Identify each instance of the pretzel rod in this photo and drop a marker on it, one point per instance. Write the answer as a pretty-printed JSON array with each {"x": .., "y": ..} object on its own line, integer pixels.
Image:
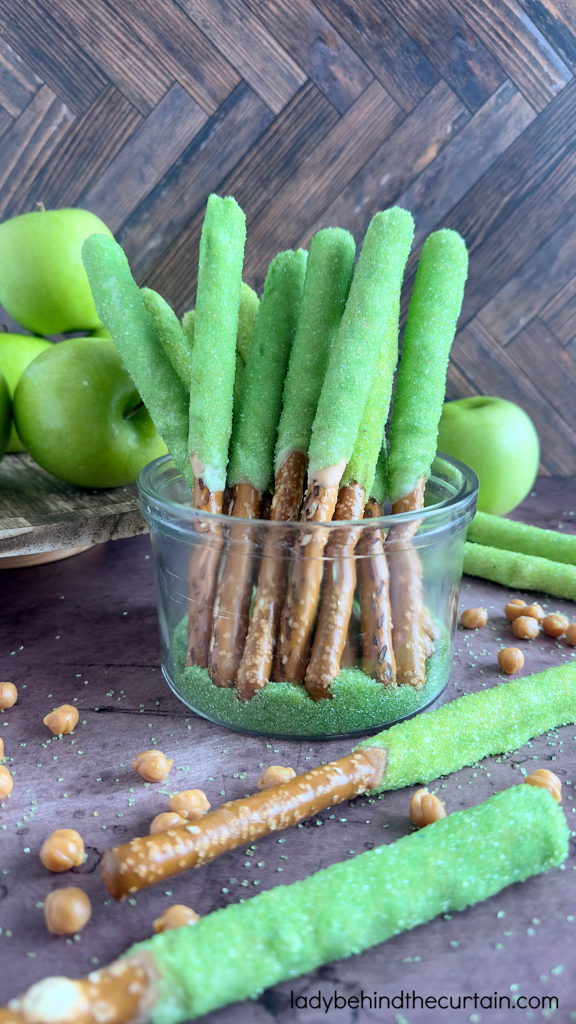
[
  {"x": 144, "y": 861},
  {"x": 250, "y": 467},
  {"x": 339, "y": 586},
  {"x": 418, "y": 750},
  {"x": 523, "y": 572},
  {"x": 121, "y": 309},
  {"x": 378, "y": 660},
  {"x": 508, "y": 534},
  {"x": 255, "y": 666},
  {"x": 202, "y": 576},
  {"x": 406, "y": 605},
  {"x": 232, "y": 600},
  {"x": 171, "y": 335},
  {"x": 345, "y": 908},
  {"x": 303, "y": 592}
]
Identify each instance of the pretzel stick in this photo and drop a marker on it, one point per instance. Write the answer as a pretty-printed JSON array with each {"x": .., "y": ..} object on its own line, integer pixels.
[
  {"x": 250, "y": 467},
  {"x": 378, "y": 659},
  {"x": 255, "y": 666},
  {"x": 202, "y": 575},
  {"x": 418, "y": 750},
  {"x": 406, "y": 593},
  {"x": 339, "y": 587},
  {"x": 150, "y": 859},
  {"x": 232, "y": 599}
]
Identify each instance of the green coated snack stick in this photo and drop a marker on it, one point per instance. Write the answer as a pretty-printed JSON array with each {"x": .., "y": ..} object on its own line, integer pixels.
[
  {"x": 214, "y": 349},
  {"x": 496, "y": 532},
  {"x": 362, "y": 465},
  {"x": 463, "y": 731},
  {"x": 421, "y": 382},
  {"x": 172, "y": 337},
  {"x": 188, "y": 325},
  {"x": 519, "y": 571},
  {"x": 328, "y": 275},
  {"x": 379, "y": 489},
  {"x": 260, "y": 400},
  {"x": 339, "y": 911},
  {"x": 121, "y": 308},
  {"x": 373, "y": 296},
  {"x": 247, "y": 311}
]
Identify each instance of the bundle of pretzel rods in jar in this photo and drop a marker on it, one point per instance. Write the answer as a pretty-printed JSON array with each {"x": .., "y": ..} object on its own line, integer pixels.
[{"x": 277, "y": 407}]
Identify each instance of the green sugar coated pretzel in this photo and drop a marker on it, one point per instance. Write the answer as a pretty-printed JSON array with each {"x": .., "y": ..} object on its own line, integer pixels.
[
  {"x": 421, "y": 381},
  {"x": 379, "y": 489},
  {"x": 215, "y": 329},
  {"x": 476, "y": 725},
  {"x": 247, "y": 311},
  {"x": 362, "y": 465},
  {"x": 351, "y": 906},
  {"x": 121, "y": 308},
  {"x": 519, "y": 571},
  {"x": 328, "y": 275},
  {"x": 373, "y": 296},
  {"x": 260, "y": 398},
  {"x": 496, "y": 532},
  {"x": 171, "y": 335}
]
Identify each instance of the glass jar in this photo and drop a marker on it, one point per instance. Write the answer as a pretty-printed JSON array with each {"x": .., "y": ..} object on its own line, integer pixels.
[{"x": 197, "y": 554}]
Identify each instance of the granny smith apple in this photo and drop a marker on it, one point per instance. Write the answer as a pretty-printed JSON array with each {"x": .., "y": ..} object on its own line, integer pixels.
[
  {"x": 498, "y": 440},
  {"x": 43, "y": 284},
  {"x": 80, "y": 416},
  {"x": 16, "y": 351},
  {"x": 5, "y": 414}
]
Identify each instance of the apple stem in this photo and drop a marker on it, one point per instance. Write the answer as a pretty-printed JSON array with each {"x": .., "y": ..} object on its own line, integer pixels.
[
  {"x": 132, "y": 412},
  {"x": 39, "y": 207}
]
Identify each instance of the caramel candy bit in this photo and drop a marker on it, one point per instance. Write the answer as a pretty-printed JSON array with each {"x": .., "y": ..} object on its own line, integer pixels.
[
  {"x": 6, "y": 782},
  {"x": 62, "y": 850},
  {"x": 474, "y": 618},
  {"x": 1, "y": 748},
  {"x": 554, "y": 624},
  {"x": 569, "y": 636},
  {"x": 67, "y": 911},
  {"x": 62, "y": 720},
  {"x": 190, "y": 803},
  {"x": 177, "y": 916},
  {"x": 8, "y": 696},
  {"x": 546, "y": 780},
  {"x": 510, "y": 659},
  {"x": 514, "y": 608},
  {"x": 525, "y": 627},
  {"x": 166, "y": 820},
  {"x": 425, "y": 808},
  {"x": 274, "y": 776},
  {"x": 152, "y": 765},
  {"x": 535, "y": 611}
]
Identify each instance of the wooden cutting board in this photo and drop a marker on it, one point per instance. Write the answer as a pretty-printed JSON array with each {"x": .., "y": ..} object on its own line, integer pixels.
[{"x": 42, "y": 518}]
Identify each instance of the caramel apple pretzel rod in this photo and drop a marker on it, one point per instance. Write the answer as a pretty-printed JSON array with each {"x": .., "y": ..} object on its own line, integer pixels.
[
  {"x": 373, "y": 296},
  {"x": 213, "y": 364},
  {"x": 417, "y": 750},
  {"x": 340, "y": 568},
  {"x": 328, "y": 274},
  {"x": 420, "y": 386},
  {"x": 251, "y": 455},
  {"x": 292, "y": 929}
]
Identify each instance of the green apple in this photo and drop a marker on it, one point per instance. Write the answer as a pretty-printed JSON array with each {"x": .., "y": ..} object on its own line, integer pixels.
[
  {"x": 16, "y": 351},
  {"x": 498, "y": 440},
  {"x": 81, "y": 418},
  {"x": 43, "y": 284},
  {"x": 5, "y": 414}
]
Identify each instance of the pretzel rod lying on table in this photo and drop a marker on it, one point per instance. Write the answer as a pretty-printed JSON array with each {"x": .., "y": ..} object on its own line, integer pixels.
[
  {"x": 251, "y": 455},
  {"x": 523, "y": 572},
  {"x": 420, "y": 386},
  {"x": 418, "y": 750},
  {"x": 326, "y": 285},
  {"x": 235, "y": 953},
  {"x": 372, "y": 299}
]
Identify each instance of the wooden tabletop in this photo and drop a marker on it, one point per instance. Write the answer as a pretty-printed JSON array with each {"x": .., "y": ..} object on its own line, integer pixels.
[{"x": 84, "y": 631}]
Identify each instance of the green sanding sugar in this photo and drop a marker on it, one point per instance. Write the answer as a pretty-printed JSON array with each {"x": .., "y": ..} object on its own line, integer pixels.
[
  {"x": 237, "y": 952},
  {"x": 358, "y": 705},
  {"x": 520, "y": 571},
  {"x": 171, "y": 334},
  {"x": 496, "y": 532}
]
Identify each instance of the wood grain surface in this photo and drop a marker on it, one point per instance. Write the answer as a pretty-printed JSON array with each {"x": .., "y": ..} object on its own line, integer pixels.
[
  {"x": 318, "y": 113},
  {"x": 84, "y": 631}
]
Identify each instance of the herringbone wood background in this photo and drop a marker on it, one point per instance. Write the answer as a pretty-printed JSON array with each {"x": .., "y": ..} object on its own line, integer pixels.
[{"x": 320, "y": 113}]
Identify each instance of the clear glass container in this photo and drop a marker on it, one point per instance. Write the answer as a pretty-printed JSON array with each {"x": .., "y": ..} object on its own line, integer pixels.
[{"x": 209, "y": 579}]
